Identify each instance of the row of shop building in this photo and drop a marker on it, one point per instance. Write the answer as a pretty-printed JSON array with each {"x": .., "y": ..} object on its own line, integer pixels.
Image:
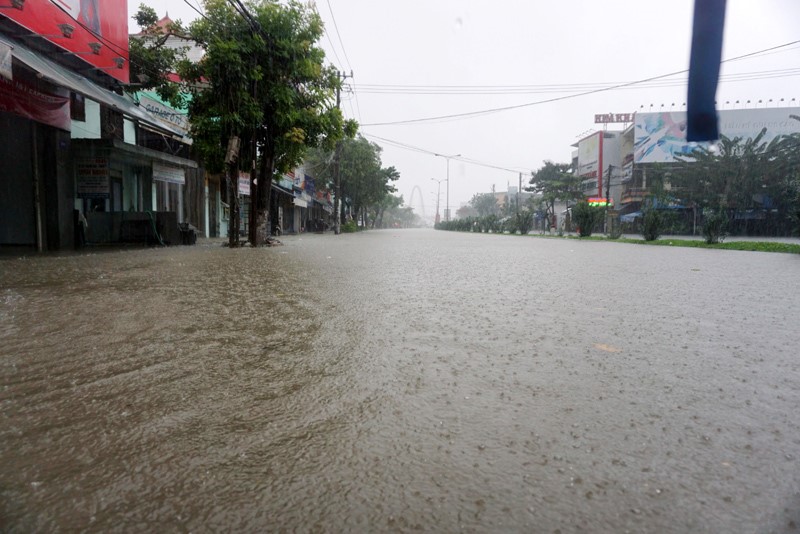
[{"x": 86, "y": 163}]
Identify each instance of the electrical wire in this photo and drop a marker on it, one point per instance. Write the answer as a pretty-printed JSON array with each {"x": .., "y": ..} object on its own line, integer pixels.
[
  {"x": 462, "y": 159},
  {"x": 336, "y": 27},
  {"x": 347, "y": 59},
  {"x": 471, "y": 114},
  {"x": 555, "y": 88},
  {"x": 197, "y": 10}
]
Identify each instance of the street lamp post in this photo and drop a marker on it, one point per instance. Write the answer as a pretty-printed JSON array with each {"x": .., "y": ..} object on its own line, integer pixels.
[
  {"x": 447, "y": 205},
  {"x": 438, "y": 196}
]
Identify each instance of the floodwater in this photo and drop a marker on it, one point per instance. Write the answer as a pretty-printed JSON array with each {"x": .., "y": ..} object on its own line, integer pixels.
[{"x": 400, "y": 381}]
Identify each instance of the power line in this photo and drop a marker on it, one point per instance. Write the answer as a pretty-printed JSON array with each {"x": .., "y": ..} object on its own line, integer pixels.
[
  {"x": 470, "y": 114},
  {"x": 344, "y": 51},
  {"x": 336, "y": 27},
  {"x": 196, "y": 10},
  {"x": 462, "y": 159},
  {"x": 555, "y": 88}
]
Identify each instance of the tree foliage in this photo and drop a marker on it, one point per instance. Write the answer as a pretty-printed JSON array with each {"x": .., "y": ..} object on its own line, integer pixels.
[
  {"x": 555, "y": 182},
  {"x": 485, "y": 204},
  {"x": 264, "y": 80},
  {"x": 738, "y": 175},
  {"x": 366, "y": 184},
  {"x": 151, "y": 61}
]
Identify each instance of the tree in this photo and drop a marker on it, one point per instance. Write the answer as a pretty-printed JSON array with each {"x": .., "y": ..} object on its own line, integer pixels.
[
  {"x": 263, "y": 80},
  {"x": 363, "y": 180},
  {"x": 740, "y": 174},
  {"x": 485, "y": 204},
  {"x": 554, "y": 182},
  {"x": 151, "y": 60},
  {"x": 466, "y": 211}
]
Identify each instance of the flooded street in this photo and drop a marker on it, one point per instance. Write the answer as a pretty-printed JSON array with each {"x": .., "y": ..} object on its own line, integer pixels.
[{"x": 399, "y": 381}]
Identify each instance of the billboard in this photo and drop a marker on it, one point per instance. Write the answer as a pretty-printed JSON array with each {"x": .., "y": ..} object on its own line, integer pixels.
[
  {"x": 589, "y": 155},
  {"x": 94, "y": 30},
  {"x": 661, "y": 137}
]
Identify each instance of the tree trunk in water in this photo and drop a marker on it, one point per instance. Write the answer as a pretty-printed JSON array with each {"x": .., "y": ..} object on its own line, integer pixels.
[
  {"x": 259, "y": 230},
  {"x": 251, "y": 219},
  {"x": 233, "y": 198},
  {"x": 337, "y": 219}
]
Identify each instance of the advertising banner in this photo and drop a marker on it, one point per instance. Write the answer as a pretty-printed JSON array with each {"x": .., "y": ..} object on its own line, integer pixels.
[
  {"x": 589, "y": 155},
  {"x": 244, "y": 183},
  {"x": 661, "y": 137},
  {"x": 94, "y": 30},
  {"x": 24, "y": 100},
  {"x": 92, "y": 178}
]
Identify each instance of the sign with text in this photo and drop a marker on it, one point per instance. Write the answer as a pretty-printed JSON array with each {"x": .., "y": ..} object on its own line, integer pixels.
[
  {"x": 244, "y": 183},
  {"x": 609, "y": 118},
  {"x": 166, "y": 115},
  {"x": 27, "y": 101},
  {"x": 92, "y": 178},
  {"x": 599, "y": 201}
]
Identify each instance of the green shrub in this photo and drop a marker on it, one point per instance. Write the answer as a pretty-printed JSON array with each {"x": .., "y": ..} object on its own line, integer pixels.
[
  {"x": 349, "y": 227},
  {"x": 524, "y": 220},
  {"x": 615, "y": 230},
  {"x": 652, "y": 224},
  {"x": 586, "y": 217},
  {"x": 715, "y": 227}
]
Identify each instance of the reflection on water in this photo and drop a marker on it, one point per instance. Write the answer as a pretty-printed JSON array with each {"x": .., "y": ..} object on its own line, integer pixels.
[{"x": 399, "y": 381}]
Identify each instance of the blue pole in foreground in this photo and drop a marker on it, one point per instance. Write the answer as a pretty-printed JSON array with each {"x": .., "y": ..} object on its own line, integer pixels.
[{"x": 704, "y": 66}]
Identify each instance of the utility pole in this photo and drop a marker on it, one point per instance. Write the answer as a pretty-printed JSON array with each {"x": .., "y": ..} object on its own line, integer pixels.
[
  {"x": 447, "y": 205},
  {"x": 519, "y": 190},
  {"x": 608, "y": 196},
  {"x": 256, "y": 196},
  {"x": 438, "y": 196},
  {"x": 231, "y": 157},
  {"x": 337, "y": 179}
]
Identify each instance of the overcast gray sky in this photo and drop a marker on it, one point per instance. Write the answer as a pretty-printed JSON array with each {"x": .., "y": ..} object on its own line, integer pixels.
[{"x": 556, "y": 49}]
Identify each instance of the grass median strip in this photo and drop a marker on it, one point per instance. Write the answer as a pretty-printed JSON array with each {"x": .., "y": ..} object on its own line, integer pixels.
[{"x": 754, "y": 246}]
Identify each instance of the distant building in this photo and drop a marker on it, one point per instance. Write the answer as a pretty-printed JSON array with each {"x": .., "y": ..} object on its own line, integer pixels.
[{"x": 660, "y": 139}]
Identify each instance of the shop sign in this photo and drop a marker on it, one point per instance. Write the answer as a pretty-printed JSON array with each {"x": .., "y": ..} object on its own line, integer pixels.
[
  {"x": 166, "y": 173},
  {"x": 244, "y": 183},
  {"x": 609, "y": 118},
  {"x": 92, "y": 178},
  {"x": 599, "y": 201},
  {"x": 165, "y": 114}
]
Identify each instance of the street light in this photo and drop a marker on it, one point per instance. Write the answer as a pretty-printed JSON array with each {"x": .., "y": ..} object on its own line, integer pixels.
[
  {"x": 438, "y": 196},
  {"x": 448, "y": 158}
]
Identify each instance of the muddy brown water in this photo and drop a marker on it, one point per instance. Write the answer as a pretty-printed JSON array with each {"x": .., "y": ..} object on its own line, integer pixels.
[{"x": 399, "y": 381}]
